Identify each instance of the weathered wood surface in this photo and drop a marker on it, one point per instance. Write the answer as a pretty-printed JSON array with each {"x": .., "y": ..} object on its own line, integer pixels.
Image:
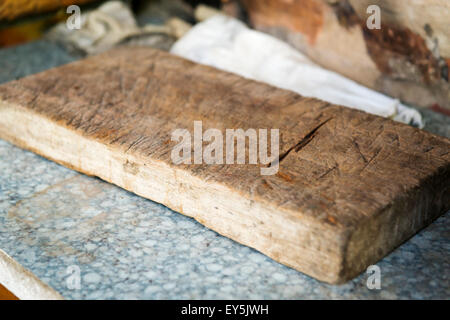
[
  {"x": 408, "y": 58},
  {"x": 344, "y": 196}
]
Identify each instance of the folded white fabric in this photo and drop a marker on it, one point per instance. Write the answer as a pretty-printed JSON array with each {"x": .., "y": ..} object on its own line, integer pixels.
[{"x": 228, "y": 44}]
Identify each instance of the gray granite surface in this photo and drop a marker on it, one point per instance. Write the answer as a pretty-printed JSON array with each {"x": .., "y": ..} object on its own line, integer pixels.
[
  {"x": 127, "y": 247},
  {"x": 54, "y": 220},
  {"x": 19, "y": 61}
]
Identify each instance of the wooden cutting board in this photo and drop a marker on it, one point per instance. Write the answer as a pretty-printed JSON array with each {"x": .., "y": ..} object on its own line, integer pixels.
[{"x": 350, "y": 186}]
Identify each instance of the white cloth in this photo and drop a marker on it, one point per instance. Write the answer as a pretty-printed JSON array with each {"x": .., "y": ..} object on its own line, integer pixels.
[
  {"x": 110, "y": 25},
  {"x": 228, "y": 44}
]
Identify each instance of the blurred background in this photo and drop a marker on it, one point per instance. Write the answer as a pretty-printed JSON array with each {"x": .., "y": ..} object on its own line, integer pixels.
[{"x": 407, "y": 58}]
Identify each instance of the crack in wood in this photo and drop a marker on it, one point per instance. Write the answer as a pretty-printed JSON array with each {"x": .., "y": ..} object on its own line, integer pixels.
[
  {"x": 301, "y": 144},
  {"x": 359, "y": 150}
]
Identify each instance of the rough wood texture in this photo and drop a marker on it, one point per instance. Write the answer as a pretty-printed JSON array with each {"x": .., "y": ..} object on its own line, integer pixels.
[
  {"x": 408, "y": 58},
  {"x": 351, "y": 187}
]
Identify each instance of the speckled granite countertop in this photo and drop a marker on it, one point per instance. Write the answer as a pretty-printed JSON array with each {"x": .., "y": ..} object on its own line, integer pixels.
[{"x": 53, "y": 220}]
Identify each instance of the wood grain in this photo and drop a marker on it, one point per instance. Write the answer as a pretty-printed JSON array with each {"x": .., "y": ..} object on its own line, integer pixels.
[
  {"x": 406, "y": 58},
  {"x": 350, "y": 188}
]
